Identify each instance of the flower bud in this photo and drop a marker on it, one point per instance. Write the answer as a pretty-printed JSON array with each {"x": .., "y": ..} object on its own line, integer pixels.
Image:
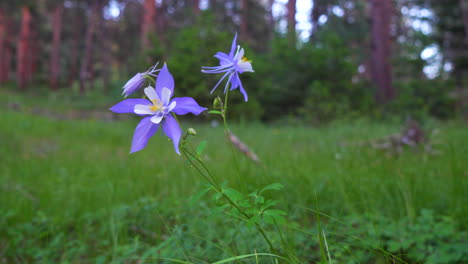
[
  {"x": 217, "y": 103},
  {"x": 191, "y": 131}
]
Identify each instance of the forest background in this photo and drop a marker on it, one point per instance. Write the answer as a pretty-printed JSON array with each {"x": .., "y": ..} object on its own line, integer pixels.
[
  {"x": 343, "y": 58},
  {"x": 357, "y": 114}
]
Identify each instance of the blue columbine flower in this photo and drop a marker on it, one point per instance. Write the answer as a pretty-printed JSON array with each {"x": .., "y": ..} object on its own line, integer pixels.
[
  {"x": 137, "y": 81},
  {"x": 231, "y": 65},
  {"x": 157, "y": 110}
]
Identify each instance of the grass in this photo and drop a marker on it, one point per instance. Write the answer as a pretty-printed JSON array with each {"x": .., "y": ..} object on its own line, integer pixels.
[{"x": 73, "y": 183}]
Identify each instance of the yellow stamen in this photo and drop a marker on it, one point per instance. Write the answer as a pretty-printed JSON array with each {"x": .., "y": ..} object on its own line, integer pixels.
[
  {"x": 157, "y": 105},
  {"x": 244, "y": 59}
]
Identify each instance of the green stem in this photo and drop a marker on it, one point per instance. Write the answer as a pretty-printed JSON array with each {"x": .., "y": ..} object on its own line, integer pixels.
[
  {"x": 211, "y": 179},
  {"x": 226, "y": 132},
  {"x": 214, "y": 182},
  {"x": 150, "y": 77},
  {"x": 224, "y": 111},
  {"x": 219, "y": 190},
  {"x": 184, "y": 151}
]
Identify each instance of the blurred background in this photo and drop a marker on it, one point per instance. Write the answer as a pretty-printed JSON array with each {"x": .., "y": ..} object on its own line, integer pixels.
[
  {"x": 357, "y": 107},
  {"x": 314, "y": 60}
]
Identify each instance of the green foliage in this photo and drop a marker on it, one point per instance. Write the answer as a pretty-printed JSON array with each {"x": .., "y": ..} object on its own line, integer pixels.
[
  {"x": 133, "y": 232},
  {"x": 429, "y": 238},
  {"x": 313, "y": 80},
  {"x": 252, "y": 208},
  {"x": 422, "y": 98},
  {"x": 419, "y": 241}
]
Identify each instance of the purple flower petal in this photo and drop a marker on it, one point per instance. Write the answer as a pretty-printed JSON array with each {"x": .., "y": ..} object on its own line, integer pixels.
[
  {"x": 224, "y": 59},
  {"x": 143, "y": 132},
  {"x": 172, "y": 130},
  {"x": 236, "y": 83},
  {"x": 127, "y": 105},
  {"x": 165, "y": 79},
  {"x": 233, "y": 47},
  {"x": 241, "y": 88},
  {"x": 133, "y": 84},
  {"x": 235, "y": 80},
  {"x": 185, "y": 105}
]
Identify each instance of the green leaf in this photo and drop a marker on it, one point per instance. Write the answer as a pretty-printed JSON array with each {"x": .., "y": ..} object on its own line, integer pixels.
[
  {"x": 251, "y": 211},
  {"x": 253, "y": 194},
  {"x": 219, "y": 209},
  {"x": 216, "y": 112},
  {"x": 268, "y": 204},
  {"x": 275, "y": 212},
  {"x": 201, "y": 147},
  {"x": 259, "y": 200},
  {"x": 245, "y": 204},
  {"x": 217, "y": 196},
  {"x": 253, "y": 220},
  {"x": 233, "y": 194},
  {"x": 196, "y": 197},
  {"x": 273, "y": 186},
  {"x": 274, "y": 215}
]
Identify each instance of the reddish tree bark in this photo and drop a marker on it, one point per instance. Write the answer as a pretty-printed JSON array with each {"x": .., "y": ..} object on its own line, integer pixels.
[
  {"x": 292, "y": 23},
  {"x": 74, "y": 52},
  {"x": 7, "y": 56},
  {"x": 244, "y": 20},
  {"x": 23, "y": 66},
  {"x": 3, "y": 47},
  {"x": 7, "y": 51},
  {"x": 381, "y": 68},
  {"x": 148, "y": 24},
  {"x": 33, "y": 53},
  {"x": 86, "y": 72},
  {"x": 196, "y": 6},
  {"x": 55, "y": 52}
]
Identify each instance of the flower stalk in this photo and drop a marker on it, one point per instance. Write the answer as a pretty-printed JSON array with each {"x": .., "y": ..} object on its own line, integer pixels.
[{"x": 211, "y": 179}]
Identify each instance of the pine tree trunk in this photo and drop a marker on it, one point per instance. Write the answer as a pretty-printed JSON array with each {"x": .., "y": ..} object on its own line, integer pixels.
[
  {"x": 23, "y": 66},
  {"x": 86, "y": 72},
  {"x": 148, "y": 25},
  {"x": 381, "y": 68},
  {"x": 104, "y": 40},
  {"x": 74, "y": 52},
  {"x": 55, "y": 52},
  {"x": 33, "y": 54},
  {"x": 162, "y": 24},
  {"x": 196, "y": 7},
  {"x": 244, "y": 19},
  {"x": 271, "y": 18},
  {"x": 7, "y": 51},
  {"x": 292, "y": 23},
  {"x": 3, "y": 47},
  {"x": 464, "y": 9},
  {"x": 318, "y": 9}
]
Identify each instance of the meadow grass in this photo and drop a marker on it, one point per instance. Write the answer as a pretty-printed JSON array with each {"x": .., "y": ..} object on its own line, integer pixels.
[{"x": 66, "y": 170}]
